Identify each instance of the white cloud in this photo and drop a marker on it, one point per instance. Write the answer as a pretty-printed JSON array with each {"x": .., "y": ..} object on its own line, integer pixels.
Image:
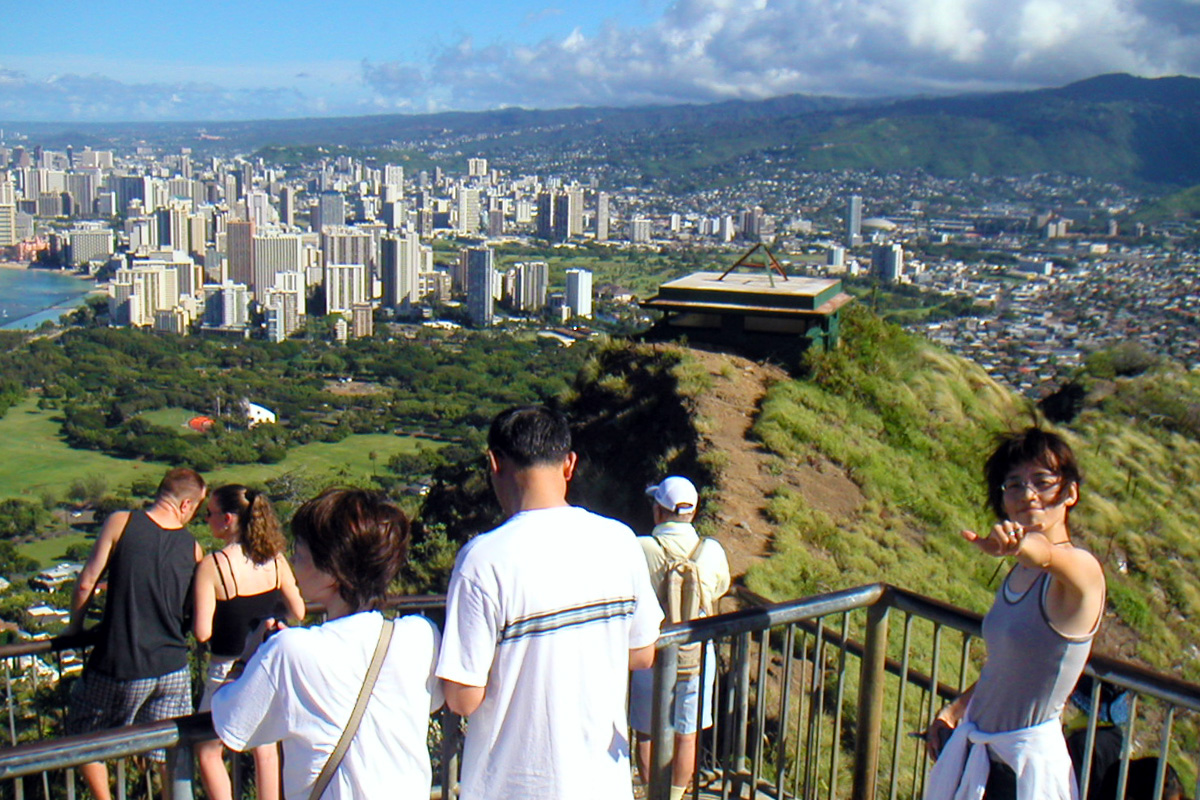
[
  {"x": 702, "y": 50},
  {"x": 695, "y": 51}
]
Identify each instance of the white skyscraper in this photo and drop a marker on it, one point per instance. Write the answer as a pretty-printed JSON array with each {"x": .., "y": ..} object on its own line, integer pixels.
[
  {"x": 403, "y": 258},
  {"x": 345, "y": 287},
  {"x": 274, "y": 253},
  {"x": 602, "y": 217},
  {"x": 853, "y": 220},
  {"x": 468, "y": 210},
  {"x": 529, "y": 291},
  {"x": 579, "y": 292}
]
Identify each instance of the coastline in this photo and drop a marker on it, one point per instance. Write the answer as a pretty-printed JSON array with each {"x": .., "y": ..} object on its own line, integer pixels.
[{"x": 54, "y": 302}]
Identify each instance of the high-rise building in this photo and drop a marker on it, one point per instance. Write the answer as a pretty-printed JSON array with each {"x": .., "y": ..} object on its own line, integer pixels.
[
  {"x": 90, "y": 244},
  {"x": 283, "y": 305},
  {"x": 345, "y": 245},
  {"x": 275, "y": 253},
  {"x": 287, "y": 205},
  {"x": 545, "y": 214},
  {"x": 468, "y": 210},
  {"x": 345, "y": 287},
  {"x": 226, "y": 306},
  {"x": 8, "y": 224},
  {"x": 137, "y": 292},
  {"x": 529, "y": 288},
  {"x": 362, "y": 320},
  {"x": 480, "y": 281},
  {"x": 393, "y": 175},
  {"x": 239, "y": 251},
  {"x": 853, "y": 221},
  {"x": 602, "y": 217},
  {"x": 568, "y": 213},
  {"x": 887, "y": 261},
  {"x": 330, "y": 210},
  {"x": 477, "y": 167},
  {"x": 639, "y": 230},
  {"x": 579, "y": 292},
  {"x": 434, "y": 286},
  {"x": 403, "y": 258},
  {"x": 258, "y": 209}
]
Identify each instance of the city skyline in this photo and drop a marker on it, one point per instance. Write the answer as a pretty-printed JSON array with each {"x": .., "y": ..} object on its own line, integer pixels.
[{"x": 171, "y": 61}]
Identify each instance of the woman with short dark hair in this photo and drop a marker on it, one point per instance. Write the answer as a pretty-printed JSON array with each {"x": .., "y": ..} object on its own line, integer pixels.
[
  {"x": 1006, "y": 729},
  {"x": 300, "y": 686}
]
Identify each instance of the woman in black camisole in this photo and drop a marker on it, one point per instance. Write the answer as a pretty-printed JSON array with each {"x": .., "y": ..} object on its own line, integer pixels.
[{"x": 235, "y": 588}]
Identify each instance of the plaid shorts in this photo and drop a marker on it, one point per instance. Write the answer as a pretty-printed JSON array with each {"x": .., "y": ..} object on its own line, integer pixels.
[{"x": 99, "y": 702}]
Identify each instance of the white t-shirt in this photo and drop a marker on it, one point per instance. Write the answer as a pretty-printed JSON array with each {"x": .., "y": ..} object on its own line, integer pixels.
[
  {"x": 543, "y": 611},
  {"x": 301, "y": 686}
]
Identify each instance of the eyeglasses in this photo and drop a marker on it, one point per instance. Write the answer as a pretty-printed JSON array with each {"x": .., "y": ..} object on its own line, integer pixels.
[{"x": 1041, "y": 485}]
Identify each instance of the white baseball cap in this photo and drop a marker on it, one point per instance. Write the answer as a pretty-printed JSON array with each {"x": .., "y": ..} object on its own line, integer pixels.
[{"x": 675, "y": 494}]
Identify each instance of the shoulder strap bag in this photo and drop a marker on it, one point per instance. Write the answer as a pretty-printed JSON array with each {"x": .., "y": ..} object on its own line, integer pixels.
[{"x": 360, "y": 705}]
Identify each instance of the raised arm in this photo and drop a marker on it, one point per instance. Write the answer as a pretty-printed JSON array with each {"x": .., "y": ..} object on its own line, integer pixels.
[
  {"x": 1077, "y": 592},
  {"x": 89, "y": 576}
]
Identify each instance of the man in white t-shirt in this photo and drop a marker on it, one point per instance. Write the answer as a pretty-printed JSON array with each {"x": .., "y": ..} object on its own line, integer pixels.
[
  {"x": 675, "y": 502},
  {"x": 545, "y": 617}
]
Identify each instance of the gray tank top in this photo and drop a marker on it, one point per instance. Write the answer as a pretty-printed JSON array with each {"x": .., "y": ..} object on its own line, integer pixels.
[{"x": 1031, "y": 668}]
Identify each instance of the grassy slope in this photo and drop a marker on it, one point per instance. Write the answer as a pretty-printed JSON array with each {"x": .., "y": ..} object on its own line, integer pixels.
[
  {"x": 912, "y": 425},
  {"x": 30, "y": 445}
]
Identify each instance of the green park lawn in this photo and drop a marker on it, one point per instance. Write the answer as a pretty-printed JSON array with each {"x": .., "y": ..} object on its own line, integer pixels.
[
  {"x": 35, "y": 460},
  {"x": 48, "y": 550},
  {"x": 173, "y": 418}
]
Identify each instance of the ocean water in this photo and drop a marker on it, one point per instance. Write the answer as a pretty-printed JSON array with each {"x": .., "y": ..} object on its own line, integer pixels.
[{"x": 28, "y": 297}]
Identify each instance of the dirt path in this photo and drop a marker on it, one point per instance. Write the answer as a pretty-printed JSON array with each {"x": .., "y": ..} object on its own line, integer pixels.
[{"x": 750, "y": 473}]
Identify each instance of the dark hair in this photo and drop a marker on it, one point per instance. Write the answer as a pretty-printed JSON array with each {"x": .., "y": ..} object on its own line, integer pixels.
[
  {"x": 1035, "y": 445},
  {"x": 358, "y": 538},
  {"x": 257, "y": 526},
  {"x": 530, "y": 436},
  {"x": 181, "y": 483}
]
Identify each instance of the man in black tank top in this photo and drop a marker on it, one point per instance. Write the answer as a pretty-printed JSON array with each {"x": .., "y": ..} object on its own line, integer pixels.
[{"x": 138, "y": 670}]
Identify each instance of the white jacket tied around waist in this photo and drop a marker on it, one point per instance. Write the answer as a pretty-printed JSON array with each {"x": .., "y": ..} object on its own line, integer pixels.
[{"x": 1038, "y": 756}]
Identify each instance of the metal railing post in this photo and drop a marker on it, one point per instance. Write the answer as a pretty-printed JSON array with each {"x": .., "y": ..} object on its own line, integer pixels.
[
  {"x": 662, "y": 742},
  {"x": 870, "y": 701},
  {"x": 177, "y": 777},
  {"x": 451, "y": 738}
]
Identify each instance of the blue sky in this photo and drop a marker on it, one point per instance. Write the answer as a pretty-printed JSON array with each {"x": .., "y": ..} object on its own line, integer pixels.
[{"x": 220, "y": 60}]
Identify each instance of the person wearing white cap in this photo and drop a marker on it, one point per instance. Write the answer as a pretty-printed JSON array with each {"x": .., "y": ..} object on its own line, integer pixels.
[{"x": 675, "y": 502}]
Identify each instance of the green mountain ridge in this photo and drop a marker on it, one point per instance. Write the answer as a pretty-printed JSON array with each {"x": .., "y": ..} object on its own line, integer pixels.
[
  {"x": 1137, "y": 131},
  {"x": 909, "y": 424}
]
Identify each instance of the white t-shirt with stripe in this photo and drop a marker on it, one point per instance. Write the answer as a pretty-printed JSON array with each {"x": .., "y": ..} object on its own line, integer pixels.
[{"x": 543, "y": 612}]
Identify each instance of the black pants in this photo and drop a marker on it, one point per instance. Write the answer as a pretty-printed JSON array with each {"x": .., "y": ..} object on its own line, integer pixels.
[{"x": 1001, "y": 782}]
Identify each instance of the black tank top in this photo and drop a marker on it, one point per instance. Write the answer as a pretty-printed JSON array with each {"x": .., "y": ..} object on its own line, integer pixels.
[
  {"x": 237, "y": 616},
  {"x": 143, "y": 633}
]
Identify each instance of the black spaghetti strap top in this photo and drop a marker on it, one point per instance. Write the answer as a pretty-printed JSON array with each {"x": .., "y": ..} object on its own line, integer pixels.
[{"x": 240, "y": 614}]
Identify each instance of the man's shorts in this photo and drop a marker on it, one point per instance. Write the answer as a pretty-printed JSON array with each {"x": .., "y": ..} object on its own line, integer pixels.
[
  {"x": 99, "y": 702},
  {"x": 686, "y": 697}
]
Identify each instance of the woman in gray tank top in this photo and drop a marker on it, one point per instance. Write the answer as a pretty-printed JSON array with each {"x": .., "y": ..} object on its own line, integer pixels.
[{"x": 1038, "y": 632}]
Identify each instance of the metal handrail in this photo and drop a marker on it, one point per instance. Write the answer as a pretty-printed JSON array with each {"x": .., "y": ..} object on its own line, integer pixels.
[{"x": 806, "y": 615}]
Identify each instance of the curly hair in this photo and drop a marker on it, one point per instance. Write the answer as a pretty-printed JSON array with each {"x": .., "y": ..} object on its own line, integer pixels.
[
  {"x": 257, "y": 526},
  {"x": 358, "y": 538}
]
